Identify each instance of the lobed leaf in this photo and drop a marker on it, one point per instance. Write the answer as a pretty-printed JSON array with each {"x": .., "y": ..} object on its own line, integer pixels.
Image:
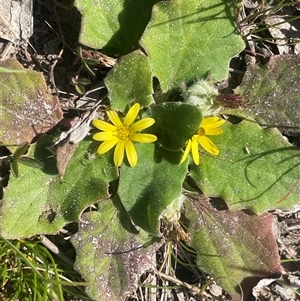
[
  {"x": 40, "y": 201},
  {"x": 26, "y": 109},
  {"x": 175, "y": 123},
  {"x": 235, "y": 248},
  {"x": 273, "y": 94},
  {"x": 185, "y": 40},
  {"x": 110, "y": 252},
  {"x": 114, "y": 26},
  {"x": 147, "y": 189},
  {"x": 130, "y": 81},
  {"x": 256, "y": 169}
]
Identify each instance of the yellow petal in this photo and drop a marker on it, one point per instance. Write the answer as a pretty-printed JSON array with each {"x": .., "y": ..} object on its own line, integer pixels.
[
  {"x": 213, "y": 131},
  {"x": 107, "y": 145},
  {"x": 103, "y": 126},
  {"x": 208, "y": 145},
  {"x": 141, "y": 124},
  {"x": 102, "y": 136},
  {"x": 131, "y": 153},
  {"x": 186, "y": 152},
  {"x": 119, "y": 153},
  {"x": 209, "y": 120},
  {"x": 131, "y": 115},
  {"x": 114, "y": 118},
  {"x": 212, "y": 122},
  {"x": 143, "y": 138},
  {"x": 195, "y": 152}
]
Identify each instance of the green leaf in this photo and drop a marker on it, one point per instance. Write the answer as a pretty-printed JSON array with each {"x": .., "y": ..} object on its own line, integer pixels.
[
  {"x": 21, "y": 150},
  {"x": 232, "y": 247},
  {"x": 80, "y": 88},
  {"x": 14, "y": 168},
  {"x": 110, "y": 252},
  {"x": 147, "y": 189},
  {"x": 130, "y": 81},
  {"x": 256, "y": 169},
  {"x": 186, "y": 39},
  {"x": 26, "y": 109},
  {"x": 273, "y": 94},
  {"x": 31, "y": 162},
  {"x": 40, "y": 201},
  {"x": 175, "y": 123},
  {"x": 114, "y": 26}
]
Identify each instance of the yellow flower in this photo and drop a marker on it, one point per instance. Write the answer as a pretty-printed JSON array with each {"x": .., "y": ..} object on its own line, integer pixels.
[
  {"x": 209, "y": 126},
  {"x": 121, "y": 134}
]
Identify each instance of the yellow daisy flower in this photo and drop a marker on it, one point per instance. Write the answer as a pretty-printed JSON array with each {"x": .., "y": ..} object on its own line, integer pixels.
[
  {"x": 209, "y": 126},
  {"x": 122, "y": 134}
]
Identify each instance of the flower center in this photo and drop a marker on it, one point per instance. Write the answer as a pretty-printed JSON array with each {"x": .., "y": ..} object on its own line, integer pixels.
[
  {"x": 123, "y": 132},
  {"x": 201, "y": 132}
]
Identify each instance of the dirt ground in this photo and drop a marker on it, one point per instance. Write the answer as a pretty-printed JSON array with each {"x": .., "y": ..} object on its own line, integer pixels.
[{"x": 51, "y": 49}]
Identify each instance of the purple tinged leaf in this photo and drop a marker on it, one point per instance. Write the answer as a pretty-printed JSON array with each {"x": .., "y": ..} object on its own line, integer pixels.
[
  {"x": 273, "y": 93},
  {"x": 26, "y": 107},
  {"x": 232, "y": 246},
  {"x": 110, "y": 252}
]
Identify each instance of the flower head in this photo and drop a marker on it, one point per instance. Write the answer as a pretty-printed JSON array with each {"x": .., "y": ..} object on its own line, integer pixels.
[
  {"x": 122, "y": 134},
  {"x": 209, "y": 126}
]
